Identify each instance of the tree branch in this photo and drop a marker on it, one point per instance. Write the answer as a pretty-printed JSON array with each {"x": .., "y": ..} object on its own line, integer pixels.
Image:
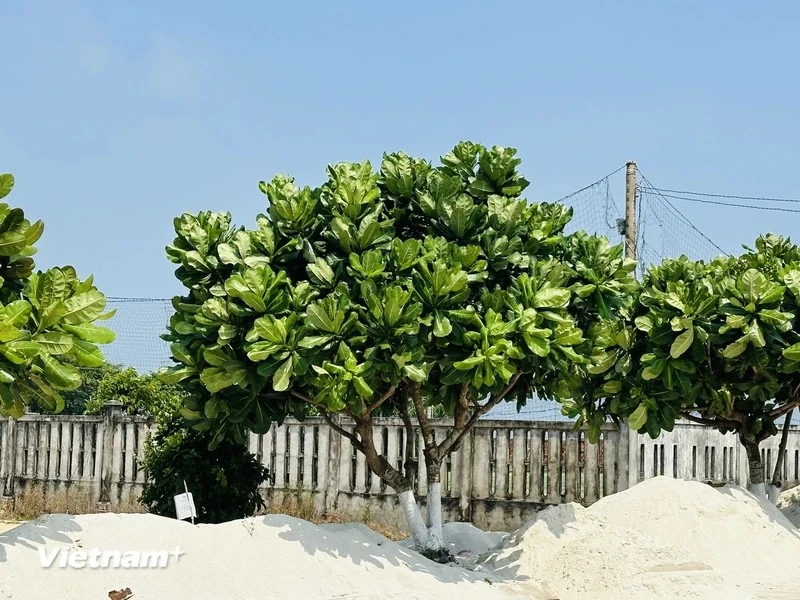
[
  {"x": 716, "y": 422},
  {"x": 779, "y": 412},
  {"x": 409, "y": 465},
  {"x": 422, "y": 417},
  {"x": 462, "y": 408},
  {"x": 374, "y": 406},
  {"x": 343, "y": 432},
  {"x": 456, "y": 435}
]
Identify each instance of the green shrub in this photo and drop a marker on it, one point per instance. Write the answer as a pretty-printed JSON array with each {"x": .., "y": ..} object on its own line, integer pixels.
[
  {"x": 140, "y": 394},
  {"x": 224, "y": 482}
]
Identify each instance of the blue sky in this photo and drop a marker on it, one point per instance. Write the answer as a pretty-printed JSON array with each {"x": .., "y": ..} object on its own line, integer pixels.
[{"x": 116, "y": 116}]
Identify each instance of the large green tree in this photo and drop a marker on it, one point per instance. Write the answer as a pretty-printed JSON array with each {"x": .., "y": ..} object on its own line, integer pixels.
[
  {"x": 394, "y": 291},
  {"x": 47, "y": 328},
  {"x": 718, "y": 344}
]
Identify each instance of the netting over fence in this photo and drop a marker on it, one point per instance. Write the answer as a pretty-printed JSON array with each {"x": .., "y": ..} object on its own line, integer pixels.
[{"x": 139, "y": 324}]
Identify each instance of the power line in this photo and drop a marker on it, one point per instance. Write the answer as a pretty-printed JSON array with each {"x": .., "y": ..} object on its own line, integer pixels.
[
  {"x": 757, "y": 198},
  {"x": 591, "y": 185},
  {"x": 718, "y": 203},
  {"x": 675, "y": 211}
]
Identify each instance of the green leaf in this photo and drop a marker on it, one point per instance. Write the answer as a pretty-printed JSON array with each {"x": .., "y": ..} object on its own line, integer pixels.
[
  {"x": 58, "y": 375},
  {"x": 792, "y": 281},
  {"x": 54, "y": 343},
  {"x": 469, "y": 363},
  {"x": 91, "y": 333},
  {"x": 756, "y": 335},
  {"x": 6, "y": 184},
  {"x": 219, "y": 378},
  {"x": 84, "y": 308},
  {"x": 682, "y": 343},
  {"x": 87, "y": 354},
  {"x": 17, "y": 312},
  {"x": 362, "y": 387},
  {"x": 644, "y": 324},
  {"x": 441, "y": 325},
  {"x": 211, "y": 408},
  {"x": 12, "y": 242},
  {"x": 321, "y": 273},
  {"x": 751, "y": 284},
  {"x": 33, "y": 233},
  {"x": 38, "y": 391},
  {"x": 736, "y": 348},
  {"x": 313, "y": 341},
  {"x": 8, "y": 332},
  {"x": 551, "y": 298},
  {"x": 792, "y": 352},
  {"x": 415, "y": 373},
  {"x": 653, "y": 370},
  {"x": 638, "y": 417},
  {"x": 283, "y": 376}
]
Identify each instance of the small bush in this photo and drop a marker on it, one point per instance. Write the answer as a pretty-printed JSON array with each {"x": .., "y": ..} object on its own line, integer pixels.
[{"x": 224, "y": 482}]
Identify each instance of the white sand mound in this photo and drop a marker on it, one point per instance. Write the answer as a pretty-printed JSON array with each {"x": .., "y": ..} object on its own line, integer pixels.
[
  {"x": 663, "y": 538},
  {"x": 789, "y": 505},
  {"x": 747, "y": 539},
  {"x": 272, "y": 557}
]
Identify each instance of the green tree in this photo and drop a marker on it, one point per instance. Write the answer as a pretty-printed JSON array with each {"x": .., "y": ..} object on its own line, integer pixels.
[
  {"x": 718, "y": 345},
  {"x": 391, "y": 292},
  {"x": 47, "y": 328},
  {"x": 140, "y": 393}
]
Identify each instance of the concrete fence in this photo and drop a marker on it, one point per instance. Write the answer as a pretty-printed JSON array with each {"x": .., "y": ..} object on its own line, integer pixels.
[{"x": 503, "y": 473}]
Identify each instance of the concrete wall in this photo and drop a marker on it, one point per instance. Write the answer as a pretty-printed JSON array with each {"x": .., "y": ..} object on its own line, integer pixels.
[{"x": 503, "y": 473}]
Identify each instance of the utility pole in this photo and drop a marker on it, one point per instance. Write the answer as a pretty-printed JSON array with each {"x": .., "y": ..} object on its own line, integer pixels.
[
  {"x": 630, "y": 210},
  {"x": 626, "y": 472}
]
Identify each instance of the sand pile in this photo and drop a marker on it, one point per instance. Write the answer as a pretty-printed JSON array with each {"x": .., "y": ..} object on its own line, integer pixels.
[
  {"x": 272, "y": 557},
  {"x": 789, "y": 505},
  {"x": 661, "y": 539}
]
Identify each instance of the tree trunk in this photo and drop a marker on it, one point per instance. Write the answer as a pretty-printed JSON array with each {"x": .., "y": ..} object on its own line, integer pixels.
[
  {"x": 428, "y": 537},
  {"x": 433, "y": 467},
  {"x": 756, "y": 467},
  {"x": 777, "y": 481}
]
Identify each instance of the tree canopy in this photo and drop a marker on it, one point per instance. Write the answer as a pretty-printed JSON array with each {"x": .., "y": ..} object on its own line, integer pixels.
[
  {"x": 47, "y": 319},
  {"x": 397, "y": 290},
  {"x": 718, "y": 343}
]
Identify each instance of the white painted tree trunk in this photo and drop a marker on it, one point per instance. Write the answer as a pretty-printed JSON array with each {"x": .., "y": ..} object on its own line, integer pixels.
[
  {"x": 419, "y": 531},
  {"x": 435, "y": 515},
  {"x": 426, "y": 536},
  {"x": 758, "y": 490},
  {"x": 773, "y": 491}
]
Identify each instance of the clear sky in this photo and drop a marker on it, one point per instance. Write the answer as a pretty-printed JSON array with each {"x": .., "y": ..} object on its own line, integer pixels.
[{"x": 116, "y": 116}]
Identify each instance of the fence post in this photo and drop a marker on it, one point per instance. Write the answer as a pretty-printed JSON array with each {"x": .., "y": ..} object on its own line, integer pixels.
[
  {"x": 10, "y": 459},
  {"x": 624, "y": 475},
  {"x": 111, "y": 414},
  {"x": 466, "y": 459},
  {"x": 330, "y": 500}
]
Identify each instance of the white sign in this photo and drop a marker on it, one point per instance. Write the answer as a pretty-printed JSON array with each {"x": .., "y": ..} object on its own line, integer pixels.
[{"x": 184, "y": 506}]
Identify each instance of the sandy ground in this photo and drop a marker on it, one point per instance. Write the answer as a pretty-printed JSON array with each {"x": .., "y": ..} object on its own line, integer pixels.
[
  {"x": 6, "y": 525},
  {"x": 663, "y": 539}
]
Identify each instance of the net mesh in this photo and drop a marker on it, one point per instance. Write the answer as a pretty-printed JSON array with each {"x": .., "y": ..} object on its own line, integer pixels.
[{"x": 139, "y": 323}]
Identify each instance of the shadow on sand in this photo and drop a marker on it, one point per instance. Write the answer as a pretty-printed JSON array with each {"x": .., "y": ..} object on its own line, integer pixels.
[
  {"x": 33, "y": 534},
  {"x": 362, "y": 546}
]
